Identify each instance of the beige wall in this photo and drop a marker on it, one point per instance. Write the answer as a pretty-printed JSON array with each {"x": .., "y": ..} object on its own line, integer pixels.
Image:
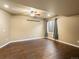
[
  {"x": 68, "y": 28},
  {"x": 17, "y": 27},
  {"x": 4, "y": 27},
  {"x": 23, "y": 29}
]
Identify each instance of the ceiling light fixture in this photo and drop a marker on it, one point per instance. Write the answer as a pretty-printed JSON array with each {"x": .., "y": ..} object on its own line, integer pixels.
[
  {"x": 49, "y": 15},
  {"x": 32, "y": 15},
  {"x": 31, "y": 11},
  {"x": 6, "y": 6}
]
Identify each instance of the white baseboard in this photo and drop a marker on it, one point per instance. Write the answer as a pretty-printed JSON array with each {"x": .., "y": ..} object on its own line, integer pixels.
[
  {"x": 65, "y": 43},
  {"x": 26, "y": 39},
  {"x": 20, "y": 41},
  {"x": 38, "y": 38},
  {"x": 5, "y": 44}
]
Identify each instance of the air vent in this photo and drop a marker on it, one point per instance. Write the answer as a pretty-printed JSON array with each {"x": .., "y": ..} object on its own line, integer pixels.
[{"x": 33, "y": 20}]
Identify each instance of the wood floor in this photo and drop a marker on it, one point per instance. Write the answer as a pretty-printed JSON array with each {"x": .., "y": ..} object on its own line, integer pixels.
[{"x": 39, "y": 49}]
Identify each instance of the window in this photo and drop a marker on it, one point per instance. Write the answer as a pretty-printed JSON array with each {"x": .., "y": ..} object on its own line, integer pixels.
[{"x": 50, "y": 26}]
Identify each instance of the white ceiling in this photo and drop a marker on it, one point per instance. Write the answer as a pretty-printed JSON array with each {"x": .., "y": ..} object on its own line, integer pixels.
[
  {"x": 54, "y": 7},
  {"x": 16, "y": 8}
]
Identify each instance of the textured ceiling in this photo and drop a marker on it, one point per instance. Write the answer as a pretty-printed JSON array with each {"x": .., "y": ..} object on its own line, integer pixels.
[{"x": 56, "y": 7}]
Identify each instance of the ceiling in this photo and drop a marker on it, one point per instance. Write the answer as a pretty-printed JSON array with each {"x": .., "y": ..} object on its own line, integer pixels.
[
  {"x": 56, "y": 7},
  {"x": 53, "y": 7},
  {"x": 17, "y": 8}
]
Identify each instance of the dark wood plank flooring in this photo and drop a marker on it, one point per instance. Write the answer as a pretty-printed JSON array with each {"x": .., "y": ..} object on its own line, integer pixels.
[{"x": 39, "y": 49}]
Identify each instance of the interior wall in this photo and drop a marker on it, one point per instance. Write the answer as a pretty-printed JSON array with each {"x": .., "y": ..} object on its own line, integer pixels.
[
  {"x": 16, "y": 27},
  {"x": 68, "y": 28},
  {"x": 23, "y": 29},
  {"x": 4, "y": 27}
]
